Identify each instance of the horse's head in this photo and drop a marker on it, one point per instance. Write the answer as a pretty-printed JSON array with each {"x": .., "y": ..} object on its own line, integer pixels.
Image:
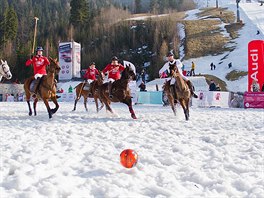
[
  {"x": 54, "y": 66},
  {"x": 128, "y": 73},
  {"x": 5, "y": 70}
]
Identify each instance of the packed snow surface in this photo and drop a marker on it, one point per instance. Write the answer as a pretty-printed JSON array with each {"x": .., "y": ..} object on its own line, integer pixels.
[{"x": 217, "y": 153}]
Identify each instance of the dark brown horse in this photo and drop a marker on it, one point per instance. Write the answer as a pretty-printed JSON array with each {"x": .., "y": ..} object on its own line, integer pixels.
[
  {"x": 120, "y": 91},
  {"x": 46, "y": 90},
  {"x": 183, "y": 94},
  {"x": 82, "y": 92}
]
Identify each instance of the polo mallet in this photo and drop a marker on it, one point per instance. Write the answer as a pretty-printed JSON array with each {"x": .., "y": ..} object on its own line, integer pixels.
[{"x": 35, "y": 34}]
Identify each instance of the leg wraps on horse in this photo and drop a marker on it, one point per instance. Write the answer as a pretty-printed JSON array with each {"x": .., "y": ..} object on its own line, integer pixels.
[{"x": 191, "y": 87}]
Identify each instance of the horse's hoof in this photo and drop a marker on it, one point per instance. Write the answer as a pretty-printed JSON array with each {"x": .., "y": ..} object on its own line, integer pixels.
[
  {"x": 30, "y": 114},
  {"x": 133, "y": 116}
]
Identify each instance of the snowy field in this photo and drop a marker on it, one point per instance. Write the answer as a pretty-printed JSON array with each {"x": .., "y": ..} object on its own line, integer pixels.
[{"x": 217, "y": 153}]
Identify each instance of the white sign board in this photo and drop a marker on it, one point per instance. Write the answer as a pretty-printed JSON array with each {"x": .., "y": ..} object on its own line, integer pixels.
[{"x": 69, "y": 58}]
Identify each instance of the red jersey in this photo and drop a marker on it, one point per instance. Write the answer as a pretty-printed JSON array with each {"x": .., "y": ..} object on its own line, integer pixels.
[
  {"x": 91, "y": 74},
  {"x": 114, "y": 71},
  {"x": 39, "y": 64}
]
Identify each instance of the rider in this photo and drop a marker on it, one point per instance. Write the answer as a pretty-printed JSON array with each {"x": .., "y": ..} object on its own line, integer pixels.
[
  {"x": 113, "y": 69},
  {"x": 172, "y": 65},
  {"x": 39, "y": 63},
  {"x": 90, "y": 75}
]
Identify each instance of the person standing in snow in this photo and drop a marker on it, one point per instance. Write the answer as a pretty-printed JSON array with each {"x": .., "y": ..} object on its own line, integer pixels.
[
  {"x": 192, "y": 70},
  {"x": 255, "y": 86},
  {"x": 212, "y": 86},
  {"x": 172, "y": 65}
]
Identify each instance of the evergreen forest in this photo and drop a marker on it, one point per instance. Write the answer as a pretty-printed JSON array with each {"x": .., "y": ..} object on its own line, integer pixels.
[{"x": 101, "y": 26}]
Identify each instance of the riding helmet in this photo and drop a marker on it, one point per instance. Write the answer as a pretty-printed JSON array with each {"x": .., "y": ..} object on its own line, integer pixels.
[
  {"x": 114, "y": 58},
  {"x": 39, "y": 48}
]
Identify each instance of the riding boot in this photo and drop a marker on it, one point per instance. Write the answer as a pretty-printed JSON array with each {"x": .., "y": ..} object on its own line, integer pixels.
[
  {"x": 173, "y": 91},
  {"x": 36, "y": 85},
  {"x": 110, "y": 89},
  {"x": 191, "y": 87},
  {"x": 90, "y": 94}
]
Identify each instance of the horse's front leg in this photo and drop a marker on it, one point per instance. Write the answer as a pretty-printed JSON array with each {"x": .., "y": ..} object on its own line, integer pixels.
[
  {"x": 75, "y": 103},
  {"x": 85, "y": 102},
  {"x": 128, "y": 102},
  {"x": 48, "y": 107},
  {"x": 185, "y": 110},
  {"x": 96, "y": 104},
  {"x": 54, "y": 100},
  {"x": 172, "y": 104},
  {"x": 35, "y": 106},
  {"x": 29, "y": 108}
]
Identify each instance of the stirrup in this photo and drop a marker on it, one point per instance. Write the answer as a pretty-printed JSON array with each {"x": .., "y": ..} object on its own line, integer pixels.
[{"x": 111, "y": 96}]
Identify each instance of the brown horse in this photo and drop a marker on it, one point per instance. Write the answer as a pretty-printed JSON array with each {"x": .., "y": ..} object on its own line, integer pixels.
[
  {"x": 183, "y": 94},
  {"x": 81, "y": 92},
  {"x": 46, "y": 90},
  {"x": 120, "y": 91}
]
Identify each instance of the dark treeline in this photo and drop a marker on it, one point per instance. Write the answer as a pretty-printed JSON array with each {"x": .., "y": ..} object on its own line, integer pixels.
[{"x": 99, "y": 25}]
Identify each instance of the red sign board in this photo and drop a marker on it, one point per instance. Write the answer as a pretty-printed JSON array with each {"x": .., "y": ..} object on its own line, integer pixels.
[
  {"x": 255, "y": 62},
  {"x": 254, "y": 100}
]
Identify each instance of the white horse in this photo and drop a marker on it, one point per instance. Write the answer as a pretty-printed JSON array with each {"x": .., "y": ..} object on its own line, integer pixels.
[{"x": 4, "y": 70}]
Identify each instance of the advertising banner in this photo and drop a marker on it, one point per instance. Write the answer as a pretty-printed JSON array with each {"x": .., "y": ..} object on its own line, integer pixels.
[
  {"x": 255, "y": 62},
  {"x": 65, "y": 59},
  {"x": 254, "y": 100},
  {"x": 70, "y": 60},
  {"x": 212, "y": 99},
  {"x": 76, "y": 72}
]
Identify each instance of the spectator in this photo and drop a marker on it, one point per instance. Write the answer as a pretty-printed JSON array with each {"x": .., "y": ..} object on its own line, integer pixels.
[
  {"x": 262, "y": 88},
  {"x": 164, "y": 75},
  {"x": 212, "y": 86},
  {"x": 192, "y": 70},
  {"x": 217, "y": 88},
  {"x": 255, "y": 86},
  {"x": 143, "y": 75},
  {"x": 229, "y": 65},
  {"x": 212, "y": 66},
  {"x": 142, "y": 86}
]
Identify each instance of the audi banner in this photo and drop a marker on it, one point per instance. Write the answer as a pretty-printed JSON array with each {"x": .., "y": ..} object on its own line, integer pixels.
[{"x": 255, "y": 63}]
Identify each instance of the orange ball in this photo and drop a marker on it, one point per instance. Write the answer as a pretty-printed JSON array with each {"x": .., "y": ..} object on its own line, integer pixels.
[{"x": 128, "y": 158}]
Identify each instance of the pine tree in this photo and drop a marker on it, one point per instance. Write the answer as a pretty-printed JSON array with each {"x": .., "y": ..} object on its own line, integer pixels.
[
  {"x": 137, "y": 6},
  {"x": 79, "y": 13},
  {"x": 11, "y": 24}
]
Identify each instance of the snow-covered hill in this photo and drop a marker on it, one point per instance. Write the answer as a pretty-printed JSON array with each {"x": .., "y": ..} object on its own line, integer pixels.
[{"x": 252, "y": 15}]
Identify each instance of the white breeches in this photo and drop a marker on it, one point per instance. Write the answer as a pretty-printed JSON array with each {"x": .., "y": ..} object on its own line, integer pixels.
[{"x": 38, "y": 76}]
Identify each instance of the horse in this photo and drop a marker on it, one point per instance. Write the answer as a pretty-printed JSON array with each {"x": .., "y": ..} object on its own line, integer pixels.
[
  {"x": 82, "y": 92},
  {"x": 120, "y": 91},
  {"x": 5, "y": 71},
  {"x": 182, "y": 93},
  {"x": 46, "y": 90}
]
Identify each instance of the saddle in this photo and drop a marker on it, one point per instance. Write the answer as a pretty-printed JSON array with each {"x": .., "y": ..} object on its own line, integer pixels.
[
  {"x": 34, "y": 84},
  {"x": 87, "y": 86}
]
